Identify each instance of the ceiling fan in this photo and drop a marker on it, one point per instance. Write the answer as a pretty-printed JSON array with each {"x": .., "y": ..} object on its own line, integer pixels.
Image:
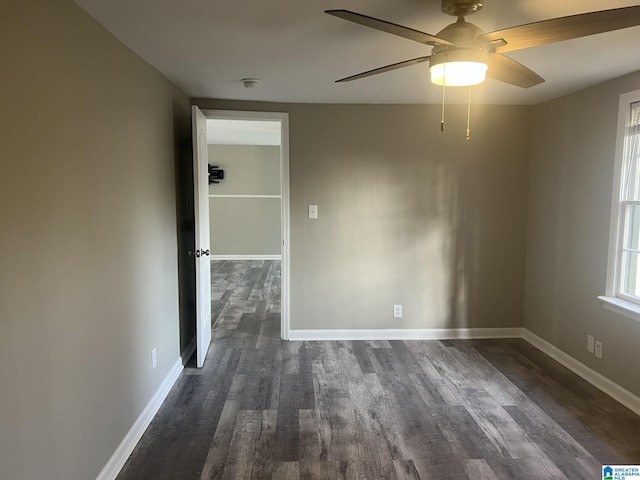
[{"x": 463, "y": 54}]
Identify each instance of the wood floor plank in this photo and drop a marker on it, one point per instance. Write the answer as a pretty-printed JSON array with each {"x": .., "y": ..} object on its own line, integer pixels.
[
  {"x": 360, "y": 352},
  {"x": 478, "y": 469},
  {"x": 335, "y": 419},
  {"x": 263, "y": 408},
  {"x": 305, "y": 367},
  {"x": 289, "y": 403},
  {"x": 505, "y": 434},
  {"x": 310, "y": 448},
  {"x": 243, "y": 444},
  {"x": 216, "y": 460},
  {"x": 374, "y": 455},
  {"x": 286, "y": 471},
  {"x": 263, "y": 459},
  {"x": 464, "y": 435},
  {"x": 291, "y": 357},
  {"x": 406, "y": 470}
]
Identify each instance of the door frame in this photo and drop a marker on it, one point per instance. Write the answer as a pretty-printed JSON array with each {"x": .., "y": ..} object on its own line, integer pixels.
[{"x": 283, "y": 118}]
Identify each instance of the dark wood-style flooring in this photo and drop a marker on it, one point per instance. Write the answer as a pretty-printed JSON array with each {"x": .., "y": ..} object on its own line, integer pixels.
[{"x": 265, "y": 408}]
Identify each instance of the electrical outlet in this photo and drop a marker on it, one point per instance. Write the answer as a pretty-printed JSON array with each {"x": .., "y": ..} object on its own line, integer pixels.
[
  {"x": 598, "y": 349},
  {"x": 397, "y": 311},
  {"x": 590, "y": 343},
  {"x": 154, "y": 359},
  {"x": 313, "y": 211}
]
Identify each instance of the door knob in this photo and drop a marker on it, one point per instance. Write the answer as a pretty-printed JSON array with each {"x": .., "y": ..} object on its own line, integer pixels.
[
  {"x": 198, "y": 253},
  {"x": 205, "y": 252}
]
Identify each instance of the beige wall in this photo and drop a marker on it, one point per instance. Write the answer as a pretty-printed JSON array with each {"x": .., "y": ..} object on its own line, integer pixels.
[
  {"x": 407, "y": 214},
  {"x": 245, "y": 226},
  {"x": 248, "y": 169},
  {"x": 88, "y": 275},
  {"x": 570, "y": 207}
]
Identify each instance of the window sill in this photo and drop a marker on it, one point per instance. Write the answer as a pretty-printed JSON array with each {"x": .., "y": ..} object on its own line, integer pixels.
[{"x": 621, "y": 307}]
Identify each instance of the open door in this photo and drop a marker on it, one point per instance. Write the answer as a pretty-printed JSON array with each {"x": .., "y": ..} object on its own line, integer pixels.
[{"x": 201, "y": 254}]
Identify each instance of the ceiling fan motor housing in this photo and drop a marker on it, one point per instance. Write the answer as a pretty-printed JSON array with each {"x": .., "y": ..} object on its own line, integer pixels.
[
  {"x": 460, "y": 8},
  {"x": 467, "y": 46}
]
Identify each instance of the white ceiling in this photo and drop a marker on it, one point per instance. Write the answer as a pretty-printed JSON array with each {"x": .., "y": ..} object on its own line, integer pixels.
[
  {"x": 242, "y": 132},
  {"x": 207, "y": 46}
]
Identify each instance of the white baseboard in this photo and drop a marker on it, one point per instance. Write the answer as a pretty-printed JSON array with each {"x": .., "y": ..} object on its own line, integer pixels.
[
  {"x": 406, "y": 334},
  {"x": 186, "y": 355},
  {"x": 246, "y": 257},
  {"x": 120, "y": 456},
  {"x": 615, "y": 391}
]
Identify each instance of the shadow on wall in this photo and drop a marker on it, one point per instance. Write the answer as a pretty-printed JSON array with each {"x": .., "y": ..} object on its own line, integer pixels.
[
  {"x": 440, "y": 241},
  {"x": 461, "y": 250},
  {"x": 398, "y": 234},
  {"x": 411, "y": 217}
]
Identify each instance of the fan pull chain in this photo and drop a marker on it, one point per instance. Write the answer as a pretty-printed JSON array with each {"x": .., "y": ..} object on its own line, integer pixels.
[
  {"x": 443, "y": 89},
  {"x": 468, "y": 115}
]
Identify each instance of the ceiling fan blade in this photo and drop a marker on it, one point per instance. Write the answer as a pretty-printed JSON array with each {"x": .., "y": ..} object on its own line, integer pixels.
[
  {"x": 388, "y": 27},
  {"x": 387, "y": 68},
  {"x": 564, "y": 28},
  {"x": 509, "y": 71}
]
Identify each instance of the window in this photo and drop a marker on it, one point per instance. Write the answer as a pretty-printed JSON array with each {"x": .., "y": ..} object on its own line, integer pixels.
[
  {"x": 629, "y": 206},
  {"x": 623, "y": 275}
]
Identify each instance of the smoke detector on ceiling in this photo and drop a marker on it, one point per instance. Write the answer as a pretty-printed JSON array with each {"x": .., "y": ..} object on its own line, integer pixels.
[{"x": 250, "y": 82}]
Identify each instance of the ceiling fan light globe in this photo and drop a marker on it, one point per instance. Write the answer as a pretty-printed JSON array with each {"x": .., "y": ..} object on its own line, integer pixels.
[{"x": 458, "y": 74}]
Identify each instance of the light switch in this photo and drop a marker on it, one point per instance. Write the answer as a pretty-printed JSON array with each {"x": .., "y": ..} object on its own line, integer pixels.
[{"x": 313, "y": 211}]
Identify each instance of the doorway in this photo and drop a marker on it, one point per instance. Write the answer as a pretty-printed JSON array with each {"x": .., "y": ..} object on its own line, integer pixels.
[{"x": 249, "y": 206}]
